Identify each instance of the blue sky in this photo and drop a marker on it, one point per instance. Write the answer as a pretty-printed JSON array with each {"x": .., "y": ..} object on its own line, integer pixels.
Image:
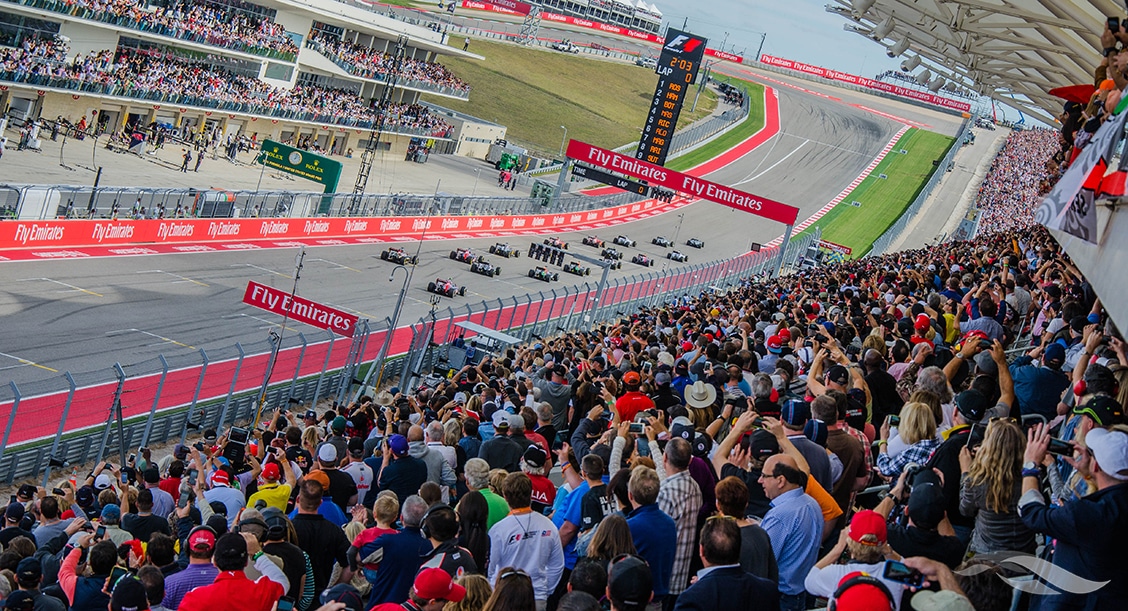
[{"x": 796, "y": 29}]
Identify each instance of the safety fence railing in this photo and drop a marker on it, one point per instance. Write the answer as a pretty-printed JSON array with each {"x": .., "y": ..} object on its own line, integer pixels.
[
  {"x": 883, "y": 242},
  {"x": 74, "y": 418},
  {"x": 84, "y": 202}
]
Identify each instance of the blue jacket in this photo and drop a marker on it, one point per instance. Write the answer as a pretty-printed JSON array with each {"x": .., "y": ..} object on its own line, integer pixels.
[
  {"x": 1037, "y": 389},
  {"x": 400, "y": 556},
  {"x": 730, "y": 588},
  {"x": 656, "y": 539},
  {"x": 1091, "y": 536}
]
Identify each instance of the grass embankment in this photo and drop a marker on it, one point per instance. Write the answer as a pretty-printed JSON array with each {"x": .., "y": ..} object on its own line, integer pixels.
[
  {"x": 731, "y": 138},
  {"x": 883, "y": 200},
  {"x": 533, "y": 91}
]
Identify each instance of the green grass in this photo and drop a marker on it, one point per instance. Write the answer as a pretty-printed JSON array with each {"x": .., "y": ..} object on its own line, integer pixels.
[
  {"x": 731, "y": 138},
  {"x": 883, "y": 200},
  {"x": 533, "y": 91}
]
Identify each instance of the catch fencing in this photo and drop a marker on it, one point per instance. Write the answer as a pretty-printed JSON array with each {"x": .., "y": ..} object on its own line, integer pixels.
[
  {"x": 882, "y": 243},
  {"x": 73, "y": 419}
]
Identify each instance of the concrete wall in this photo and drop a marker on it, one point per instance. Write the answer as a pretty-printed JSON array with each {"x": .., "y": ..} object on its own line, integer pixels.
[{"x": 85, "y": 38}]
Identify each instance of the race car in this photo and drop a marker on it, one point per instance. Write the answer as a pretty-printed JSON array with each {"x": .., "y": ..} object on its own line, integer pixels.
[
  {"x": 611, "y": 253},
  {"x": 614, "y": 263},
  {"x": 662, "y": 241},
  {"x": 574, "y": 267},
  {"x": 556, "y": 242},
  {"x": 463, "y": 255},
  {"x": 594, "y": 241},
  {"x": 541, "y": 273},
  {"x": 481, "y": 266},
  {"x": 623, "y": 240},
  {"x": 446, "y": 287},
  {"x": 398, "y": 255},
  {"x": 677, "y": 256},
  {"x": 644, "y": 260},
  {"x": 504, "y": 250},
  {"x": 694, "y": 242}
]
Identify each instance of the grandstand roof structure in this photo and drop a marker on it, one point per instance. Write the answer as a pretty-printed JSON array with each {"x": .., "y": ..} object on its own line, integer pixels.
[{"x": 1014, "y": 51}]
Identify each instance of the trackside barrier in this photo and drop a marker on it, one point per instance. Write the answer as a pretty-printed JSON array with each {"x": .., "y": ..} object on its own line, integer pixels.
[
  {"x": 885, "y": 239},
  {"x": 65, "y": 420}
]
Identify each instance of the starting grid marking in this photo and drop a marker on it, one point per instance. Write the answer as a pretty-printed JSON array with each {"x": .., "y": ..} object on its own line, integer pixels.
[
  {"x": 165, "y": 249},
  {"x": 849, "y": 188}
]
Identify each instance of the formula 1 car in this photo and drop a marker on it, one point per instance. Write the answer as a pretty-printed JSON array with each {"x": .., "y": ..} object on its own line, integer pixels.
[
  {"x": 398, "y": 255},
  {"x": 677, "y": 256},
  {"x": 556, "y": 242},
  {"x": 611, "y": 253},
  {"x": 541, "y": 273},
  {"x": 574, "y": 267},
  {"x": 446, "y": 288},
  {"x": 481, "y": 266},
  {"x": 694, "y": 242},
  {"x": 623, "y": 240},
  {"x": 644, "y": 260},
  {"x": 614, "y": 263},
  {"x": 463, "y": 255},
  {"x": 661, "y": 241},
  {"x": 504, "y": 250},
  {"x": 594, "y": 241}
]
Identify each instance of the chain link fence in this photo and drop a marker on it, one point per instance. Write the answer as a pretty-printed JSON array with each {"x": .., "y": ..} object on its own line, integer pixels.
[{"x": 74, "y": 418}]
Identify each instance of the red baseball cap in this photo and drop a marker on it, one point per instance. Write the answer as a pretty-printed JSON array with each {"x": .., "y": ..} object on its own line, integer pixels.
[
  {"x": 687, "y": 346},
  {"x": 868, "y": 522},
  {"x": 436, "y": 584},
  {"x": 774, "y": 343},
  {"x": 922, "y": 322},
  {"x": 201, "y": 537},
  {"x": 865, "y": 593},
  {"x": 631, "y": 377},
  {"x": 220, "y": 477},
  {"x": 785, "y": 334},
  {"x": 270, "y": 472}
]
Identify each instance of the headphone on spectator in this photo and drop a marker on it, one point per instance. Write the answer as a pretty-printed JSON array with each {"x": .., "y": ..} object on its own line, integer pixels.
[
  {"x": 437, "y": 507},
  {"x": 275, "y": 522},
  {"x": 857, "y": 580},
  {"x": 1081, "y": 386}
]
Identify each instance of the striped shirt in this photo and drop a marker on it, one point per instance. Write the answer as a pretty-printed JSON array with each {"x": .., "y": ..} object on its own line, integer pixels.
[{"x": 680, "y": 498}]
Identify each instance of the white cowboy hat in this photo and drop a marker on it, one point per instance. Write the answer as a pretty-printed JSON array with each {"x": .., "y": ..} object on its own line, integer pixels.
[
  {"x": 384, "y": 398},
  {"x": 700, "y": 395}
]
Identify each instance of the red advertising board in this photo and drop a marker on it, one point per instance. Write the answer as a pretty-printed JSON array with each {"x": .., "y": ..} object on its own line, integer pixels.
[
  {"x": 521, "y": 8},
  {"x": 502, "y": 6},
  {"x": 299, "y": 309},
  {"x": 846, "y": 250},
  {"x": 853, "y": 79},
  {"x": 683, "y": 183}
]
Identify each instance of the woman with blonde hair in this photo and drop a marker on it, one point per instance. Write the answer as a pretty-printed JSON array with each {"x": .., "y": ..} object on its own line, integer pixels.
[
  {"x": 990, "y": 486},
  {"x": 478, "y": 591},
  {"x": 917, "y": 431}
]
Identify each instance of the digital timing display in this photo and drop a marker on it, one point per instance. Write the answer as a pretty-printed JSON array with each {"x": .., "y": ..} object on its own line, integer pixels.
[{"x": 677, "y": 70}]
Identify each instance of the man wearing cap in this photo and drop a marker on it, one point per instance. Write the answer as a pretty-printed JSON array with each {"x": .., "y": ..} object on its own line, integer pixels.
[
  {"x": 163, "y": 503},
  {"x": 400, "y": 472},
  {"x": 632, "y": 402},
  {"x": 129, "y": 594},
  {"x": 554, "y": 384},
  {"x": 357, "y": 469},
  {"x": 794, "y": 415},
  {"x": 503, "y": 452},
  {"x": 111, "y": 519},
  {"x": 13, "y": 515},
  {"x": 221, "y": 491},
  {"x": 1090, "y": 534},
  {"x": 865, "y": 540},
  {"x": 399, "y": 555},
  {"x": 630, "y": 584},
  {"x": 337, "y": 435},
  {"x": 1038, "y": 386},
  {"x": 232, "y": 589},
  {"x": 526, "y": 540},
  {"x": 29, "y": 575},
  {"x": 1100, "y": 410},
  {"x": 970, "y": 408},
  {"x": 432, "y": 590},
  {"x": 200, "y": 570},
  {"x": 925, "y": 510},
  {"x": 273, "y": 489},
  {"x": 533, "y": 464},
  {"x": 722, "y": 584},
  {"x": 342, "y": 488}
]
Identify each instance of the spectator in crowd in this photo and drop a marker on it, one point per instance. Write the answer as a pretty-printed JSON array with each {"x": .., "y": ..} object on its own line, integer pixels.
[
  {"x": 991, "y": 489},
  {"x": 653, "y": 532},
  {"x": 630, "y": 585},
  {"x": 865, "y": 540},
  {"x": 921, "y": 535},
  {"x": 432, "y": 590},
  {"x": 274, "y": 490},
  {"x": 679, "y": 497},
  {"x": 503, "y": 451},
  {"x": 610, "y": 540},
  {"x": 1037, "y": 387},
  {"x": 794, "y": 416},
  {"x": 322, "y": 540},
  {"x": 294, "y": 561},
  {"x": 848, "y": 449},
  {"x": 794, "y": 525},
  {"x": 478, "y": 480},
  {"x": 231, "y": 586},
  {"x": 723, "y": 584},
  {"x": 526, "y": 540},
  {"x": 917, "y": 430},
  {"x": 200, "y": 570},
  {"x": 401, "y": 472},
  {"x": 399, "y": 555},
  {"x": 440, "y": 525},
  {"x": 756, "y": 555},
  {"x": 143, "y": 523}
]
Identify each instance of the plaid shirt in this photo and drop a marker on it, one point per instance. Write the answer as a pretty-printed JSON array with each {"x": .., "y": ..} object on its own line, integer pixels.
[
  {"x": 861, "y": 437},
  {"x": 680, "y": 498},
  {"x": 919, "y": 453}
]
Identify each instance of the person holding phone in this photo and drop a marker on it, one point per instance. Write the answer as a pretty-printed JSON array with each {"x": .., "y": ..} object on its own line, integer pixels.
[
  {"x": 867, "y": 543},
  {"x": 990, "y": 486}
]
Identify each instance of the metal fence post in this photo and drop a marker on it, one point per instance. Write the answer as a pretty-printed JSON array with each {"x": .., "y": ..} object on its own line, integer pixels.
[
  {"x": 231, "y": 390},
  {"x": 324, "y": 368},
  {"x": 63, "y": 423},
  {"x": 156, "y": 400},
  {"x": 512, "y": 313},
  {"x": 297, "y": 368},
  {"x": 11, "y": 416},
  {"x": 195, "y": 396}
]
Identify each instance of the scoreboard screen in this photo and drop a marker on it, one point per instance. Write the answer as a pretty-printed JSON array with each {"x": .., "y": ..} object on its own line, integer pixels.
[{"x": 677, "y": 69}]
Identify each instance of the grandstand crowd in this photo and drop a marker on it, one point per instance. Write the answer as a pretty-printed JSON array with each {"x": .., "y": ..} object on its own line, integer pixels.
[
  {"x": 374, "y": 64},
  {"x": 1019, "y": 175},
  {"x": 167, "y": 77}
]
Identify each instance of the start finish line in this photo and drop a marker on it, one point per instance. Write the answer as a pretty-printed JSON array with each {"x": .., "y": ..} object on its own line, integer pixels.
[{"x": 683, "y": 183}]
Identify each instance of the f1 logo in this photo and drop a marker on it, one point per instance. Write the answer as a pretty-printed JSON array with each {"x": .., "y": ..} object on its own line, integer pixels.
[{"x": 683, "y": 44}]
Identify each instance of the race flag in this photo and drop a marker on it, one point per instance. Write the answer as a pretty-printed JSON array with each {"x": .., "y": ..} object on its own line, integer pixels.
[{"x": 1071, "y": 205}]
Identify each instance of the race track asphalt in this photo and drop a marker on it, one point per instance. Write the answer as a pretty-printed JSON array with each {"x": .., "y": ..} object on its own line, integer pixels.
[{"x": 84, "y": 315}]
